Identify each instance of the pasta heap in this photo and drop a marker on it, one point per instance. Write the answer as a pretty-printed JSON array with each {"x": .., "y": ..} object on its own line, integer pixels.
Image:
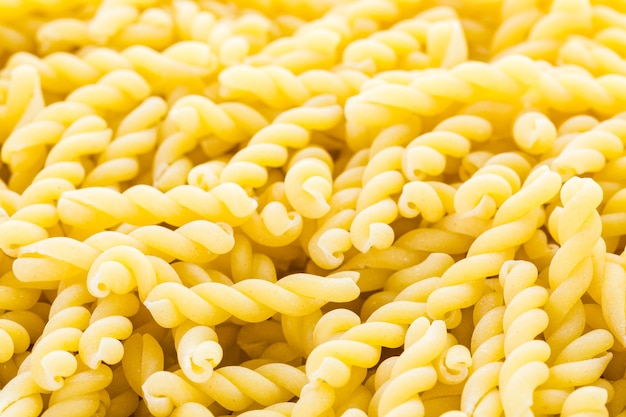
[{"x": 312, "y": 208}]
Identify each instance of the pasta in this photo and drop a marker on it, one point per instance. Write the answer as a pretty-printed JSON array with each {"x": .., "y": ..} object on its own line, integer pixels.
[{"x": 312, "y": 208}]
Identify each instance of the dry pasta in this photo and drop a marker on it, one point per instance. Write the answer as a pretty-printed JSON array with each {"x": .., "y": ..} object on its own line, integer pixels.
[{"x": 304, "y": 208}]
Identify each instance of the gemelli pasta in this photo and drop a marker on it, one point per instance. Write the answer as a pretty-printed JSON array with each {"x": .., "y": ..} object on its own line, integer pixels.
[{"x": 312, "y": 208}]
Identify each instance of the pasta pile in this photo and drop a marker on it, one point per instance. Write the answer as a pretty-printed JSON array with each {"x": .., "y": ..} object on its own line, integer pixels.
[{"x": 312, "y": 208}]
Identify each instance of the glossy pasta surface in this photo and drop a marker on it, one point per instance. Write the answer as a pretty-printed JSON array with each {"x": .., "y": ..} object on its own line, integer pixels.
[{"x": 312, "y": 208}]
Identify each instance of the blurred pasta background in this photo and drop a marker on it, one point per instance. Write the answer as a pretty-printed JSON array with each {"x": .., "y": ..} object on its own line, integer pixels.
[{"x": 312, "y": 208}]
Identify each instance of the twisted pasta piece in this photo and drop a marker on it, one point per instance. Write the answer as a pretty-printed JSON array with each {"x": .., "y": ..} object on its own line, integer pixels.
[
  {"x": 613, "y": 302},
  {"x": 319, "y": 43},
  {"x": 487, "y": 341},
  {"x": 481, "y": 395},
  {"x": 375, "y": 210},
  {"x": 412, "y": 372},
  {"x": 491, "y": 185},
  {"x": 165, "y": 391},
  {"x": 114, "y": 91},
  {"x": 87, "y": 136},
  {"x": 197, "y": 241},
  {"x": 593, "y": 54},
  {"x": 572, "y": 265},
  {"x": 274, "y": 225},
  {"x": 18, "y": 109},
  {"x": 437, "y": 29},
  {"x": 22, "y": 396},
  {"x": 183, "y": 66},
  {"x": 117, "y": 24},
  {"x": 52, "y": 70},
  {"x": 135, "y": 137},
  {"x": 430, "y": 199},
  {"x": 330, "y": 365},
  {"x": 52, "y": 358},
  {"x": 308, "y": 182},
  {"x": 580, "y": 363},
  {"x": 524, "y": 368},
  {"x": 426, "y": 155},
  {"x": 57, "y": 255},
  {"x": 435, "y": 90},
  {"x": 514, "y": 224},
  {"x": 99, "y": 208},
  {"x": 199, "y": 351},
  {"x": 101, "y": 341},
  {"x": 252, "y": 300},
  {"x": 233, "y": 387},
  {"x": 197, "y": 120},
  {"x": 268, "y": 147},
  {"x": 540, "y": 35},
  {"x": 123, "y": 23},
  {"x": 587, "y": 152},
  {"x": 82, "y": 394},
  {"x": 331, "y": 240},
  {"x": 233, "y": 38},
  {"x": 280, "y": 88},
  {"x": 308, "y": 49}
]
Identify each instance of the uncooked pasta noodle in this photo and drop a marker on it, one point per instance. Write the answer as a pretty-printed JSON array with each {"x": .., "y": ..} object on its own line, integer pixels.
[{"x": 312, "y": 208}]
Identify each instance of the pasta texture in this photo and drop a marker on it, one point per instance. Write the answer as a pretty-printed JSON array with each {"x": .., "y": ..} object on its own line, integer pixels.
[{"x": 312, "y": 208}]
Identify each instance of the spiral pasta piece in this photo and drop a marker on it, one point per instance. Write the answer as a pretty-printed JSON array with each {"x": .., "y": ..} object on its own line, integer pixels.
[
  {"x": 412, "y": 372},
  {"x": 438, "y": 32},
  {"x": 172, "y": 303},
  {"x": 578, "y": 266},
  {"x": 143, "y": 205},
  {"x": 82, "y": 394},
  {"x": 490, "y": 186},
  {"x": 516, "y": 215},
  {"x": 599, "y": 147},
  {"x": 22, "y": 395},
  {"x": 482, "y": 393},
  {"x": 235, "y": 387},
  {"x": 612, "y": 302},
  {"x": 308, "y": 184},
  {"x": 524, "y": 365},
  {"x": 198, "y": 351},
  {"x": 198, "y": 121},
  {"x": 135, "y": 137},
  {"x": 375, "y": 210},
  {"x": 329, "y": 365}
]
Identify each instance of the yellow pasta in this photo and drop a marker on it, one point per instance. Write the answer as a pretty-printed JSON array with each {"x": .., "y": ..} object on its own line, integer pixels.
[{"x": 312, "y": 208}]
